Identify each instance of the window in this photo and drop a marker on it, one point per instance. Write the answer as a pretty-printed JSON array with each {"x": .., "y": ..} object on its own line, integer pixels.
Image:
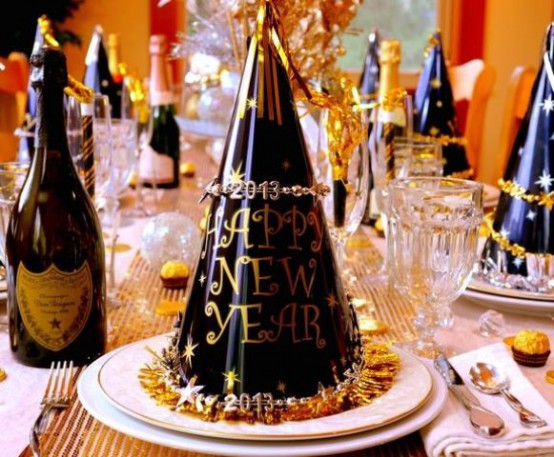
[{"x": 410, "y": 21}]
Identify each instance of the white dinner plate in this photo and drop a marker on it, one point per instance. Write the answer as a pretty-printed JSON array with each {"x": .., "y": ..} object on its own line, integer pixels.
[
  {"x": 118, "y": 380},
  {"x": 98, "y": 406},
  {"x": 509, "y": 300},
  {"x": 491, "y": 194}
]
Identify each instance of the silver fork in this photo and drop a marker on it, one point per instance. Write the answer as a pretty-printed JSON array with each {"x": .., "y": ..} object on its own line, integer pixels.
[{"x": 56, "y": 396}]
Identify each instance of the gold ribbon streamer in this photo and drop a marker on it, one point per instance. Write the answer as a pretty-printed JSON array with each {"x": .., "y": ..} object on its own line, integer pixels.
[
  {"x": 505, "y": 244},
  {"x": 444, "y": 140},
  {"x": 521, "y": 193}
]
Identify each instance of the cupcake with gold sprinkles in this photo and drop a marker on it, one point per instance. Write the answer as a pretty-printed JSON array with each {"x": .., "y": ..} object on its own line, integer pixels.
[
  {"x": 174, "y": 274},
  {"x": 531, "y": 348}
]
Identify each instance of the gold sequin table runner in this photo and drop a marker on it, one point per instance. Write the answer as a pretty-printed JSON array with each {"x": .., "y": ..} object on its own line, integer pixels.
[{"x": 75, "y": 433}]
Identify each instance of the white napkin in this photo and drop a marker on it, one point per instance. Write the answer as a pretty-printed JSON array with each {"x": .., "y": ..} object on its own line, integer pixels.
[{"x": 450, "y": 434}]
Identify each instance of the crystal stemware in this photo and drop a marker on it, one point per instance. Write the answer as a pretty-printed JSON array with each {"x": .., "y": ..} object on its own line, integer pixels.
[
  {"x": 12, "y": 177},
  {"x": 344, "y": 168},
  {"x": 388, "y": 123},
  {"x": 433, "y": 230}
]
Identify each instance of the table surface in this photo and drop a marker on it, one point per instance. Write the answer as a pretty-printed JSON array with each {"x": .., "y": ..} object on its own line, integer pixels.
[{"x": 21, "y": 392}]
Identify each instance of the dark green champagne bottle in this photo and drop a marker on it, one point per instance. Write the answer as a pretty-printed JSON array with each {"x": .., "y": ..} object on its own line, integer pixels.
[
  {"x": 55, "y": 268},
  {"x": 159, "y": 163}
]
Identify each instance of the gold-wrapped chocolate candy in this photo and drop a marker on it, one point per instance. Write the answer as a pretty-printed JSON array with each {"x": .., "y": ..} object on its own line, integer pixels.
[
  {"x": 531, "y": 348},
  {"x": 188, "y": 169},
  {"x": 174, "y": 274}
]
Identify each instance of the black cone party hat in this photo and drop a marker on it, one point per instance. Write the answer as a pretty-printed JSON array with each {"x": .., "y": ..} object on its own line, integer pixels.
[
  {"x": 266, "y": 313},
  {"x": 523, "y": 222},
  {"x": 97, "y": 74},
  {"x": 369, "y": 80},
  {"x": 27, "y": 130},
  {"x": 435, "y": 113}
]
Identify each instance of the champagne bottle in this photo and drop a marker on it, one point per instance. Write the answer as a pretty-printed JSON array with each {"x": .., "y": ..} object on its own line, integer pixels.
[
  {"x": 391, "y": 120},
  {"x": 97, "y": 72},
  {"x": 114, "y": 64},
  {"x": 368, "y": 86},
  {"x": 56, "y": 267},
  {"x": 159, "y": 162}
]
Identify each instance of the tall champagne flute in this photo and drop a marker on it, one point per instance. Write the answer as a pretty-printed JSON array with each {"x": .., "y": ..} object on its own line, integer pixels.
[
  {"x": 391, "y": 118},
  {"x": 74, "y": 129},
  {"x": 345, "y": 204},
  {"x": 106, "y": 183},
  {"x": 135, "y": 105},
  {"x": 433, "y": 231}
]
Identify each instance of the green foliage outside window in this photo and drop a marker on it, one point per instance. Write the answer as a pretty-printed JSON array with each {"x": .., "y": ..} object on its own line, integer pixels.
[{"x": 410, "y": 21}]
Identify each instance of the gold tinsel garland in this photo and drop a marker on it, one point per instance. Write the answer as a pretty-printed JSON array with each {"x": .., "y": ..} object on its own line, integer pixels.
[
  {"x": 504, "y": 243},
  {"x": 362, "y": 384},
  {"x": 521, "y": 193}
]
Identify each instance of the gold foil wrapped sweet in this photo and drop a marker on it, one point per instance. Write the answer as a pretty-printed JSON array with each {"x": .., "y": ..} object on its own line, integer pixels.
[{"x": 531, "y": 342}]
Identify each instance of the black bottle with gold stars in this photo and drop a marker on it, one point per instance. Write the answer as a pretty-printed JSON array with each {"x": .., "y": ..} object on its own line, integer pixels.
[
  {"x": 523, "y": 223},
  {"x": 267, "y": 312},
  {"x": 435, "y": 113}
]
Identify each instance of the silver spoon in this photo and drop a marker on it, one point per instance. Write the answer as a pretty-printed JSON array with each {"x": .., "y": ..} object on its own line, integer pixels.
[{"x": 491, "y": 381}]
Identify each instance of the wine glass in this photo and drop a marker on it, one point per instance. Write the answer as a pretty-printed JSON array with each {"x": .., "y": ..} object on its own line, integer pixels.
[
  {"x": 12, "y": 177},
  {"x": 106, "y": 182},
  {"x": 74, "y": 130},
  {"x": 417, "y": 157},
  {"x": 135, "y": 105},
  {"x": 344, "y": 167},
  {"x": 433, "y": 231},
  {"x": 390, "y": 120}
]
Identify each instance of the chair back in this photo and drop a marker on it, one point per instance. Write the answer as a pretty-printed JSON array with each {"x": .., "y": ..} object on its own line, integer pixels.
[
  {"x": 473, "y": 82},
  {"x": 517, "y": 102},
  {"x": 14, "y": 75}
]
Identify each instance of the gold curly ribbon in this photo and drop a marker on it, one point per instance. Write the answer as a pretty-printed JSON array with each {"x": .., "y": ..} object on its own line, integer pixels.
[
  {"x": 75, "y": 89},
  {"x": 363, "y": 383},
  {"x": 267, "y": 34},
  {"x": 504, "y": 243},
  {"x": 521, "y": 193},
  {"x": 393, "y": 99}
]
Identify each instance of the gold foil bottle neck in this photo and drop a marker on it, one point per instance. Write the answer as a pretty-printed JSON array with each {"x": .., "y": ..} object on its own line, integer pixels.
[{"x": 390, "y": 52}]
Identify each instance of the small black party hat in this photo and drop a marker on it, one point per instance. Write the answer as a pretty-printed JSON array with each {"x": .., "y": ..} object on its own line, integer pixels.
[
  {"x": 435, "y": 113},
  {"x": 524, "y": 218},
  {"x": 266, "y": 315},
  {"x": 97, "y": 74},
  {"x": 27, "y": 130},
  {"x": 369, "y": 80}
]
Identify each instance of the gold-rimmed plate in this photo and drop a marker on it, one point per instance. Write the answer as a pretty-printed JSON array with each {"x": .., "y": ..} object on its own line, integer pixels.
[
  {"x": 118, "y": 382},
  {"x": 515, "y": 301}
]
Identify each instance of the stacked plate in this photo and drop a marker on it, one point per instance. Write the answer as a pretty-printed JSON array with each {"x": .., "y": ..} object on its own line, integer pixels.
[
  {"x": 511, "y": 300},
  {"x": 109, "y": 389}
]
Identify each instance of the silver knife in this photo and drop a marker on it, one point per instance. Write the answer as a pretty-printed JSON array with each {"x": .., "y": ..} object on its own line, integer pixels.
[{"x": 484, "y": 422}]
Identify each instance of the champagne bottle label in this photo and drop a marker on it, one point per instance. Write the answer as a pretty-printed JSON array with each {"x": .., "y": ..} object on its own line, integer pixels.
[
  {"x": 54, "y": 305},
  {"x": 154, "y": 167},
  {"x": 397, "y": 117}
]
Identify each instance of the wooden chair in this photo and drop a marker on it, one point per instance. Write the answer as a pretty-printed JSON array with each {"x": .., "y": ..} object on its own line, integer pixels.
[
  {"x": 473, "y": 82},
  {"x": 517, "y": 101},
  {"x": 14, "y": 75}
]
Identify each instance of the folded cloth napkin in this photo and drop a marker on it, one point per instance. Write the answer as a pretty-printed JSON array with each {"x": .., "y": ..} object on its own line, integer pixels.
[{"x": 450, "y": 434}]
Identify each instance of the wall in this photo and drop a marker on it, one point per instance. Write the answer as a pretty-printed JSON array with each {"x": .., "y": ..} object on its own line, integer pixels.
[
  {"x": 129, "y": 18},
  {"x": 514, "y": 32}
]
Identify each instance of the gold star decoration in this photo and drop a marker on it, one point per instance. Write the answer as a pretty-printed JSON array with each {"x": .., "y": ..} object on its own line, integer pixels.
[
  {"x": 435, "y": 83},
  {"x": 433, "y": 131},
  {"x": 286, "y": 165},
  {"x": 230, "y": 378},
  {"x": 332, "y": 301},
  {"x": 281, "y": 386},
  {"x": 439, "y": 104},
  {"x": 202, "y": 279},
  {"x": 547, "y": 201},
  {"x": 251, "y": 103},
  {"x": 55, "y": 323},
  {"x": 236, "y": 176},
  {"x": 188, "y": 353}
]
